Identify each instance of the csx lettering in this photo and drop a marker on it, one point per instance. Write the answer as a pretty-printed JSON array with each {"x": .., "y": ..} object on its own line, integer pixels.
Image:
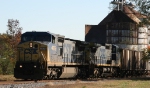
[{"x": 30, "y": 51}]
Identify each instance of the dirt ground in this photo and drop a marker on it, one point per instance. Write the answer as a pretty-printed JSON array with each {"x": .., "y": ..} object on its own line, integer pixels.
[{"x": 107, "y": 83}]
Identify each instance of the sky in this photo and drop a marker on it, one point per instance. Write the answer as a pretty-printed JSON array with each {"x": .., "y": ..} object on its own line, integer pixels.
[{"x": 64, "y": 17}]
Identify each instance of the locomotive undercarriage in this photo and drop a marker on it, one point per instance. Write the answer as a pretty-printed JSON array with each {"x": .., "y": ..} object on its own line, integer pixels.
[
  {"x": 104, "y": 71},
  {"x": 83, "y": 72},
  {"x": 134, "y": 73},
  {"x": 100, "y": 72},
  {"x": 59, "y": 72}
]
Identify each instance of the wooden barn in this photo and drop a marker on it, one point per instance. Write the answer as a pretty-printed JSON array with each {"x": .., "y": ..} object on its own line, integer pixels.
[{"x": 122, "y": 27}]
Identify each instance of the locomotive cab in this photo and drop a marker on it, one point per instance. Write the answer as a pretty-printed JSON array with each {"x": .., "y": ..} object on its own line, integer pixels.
[{"x": 32, "y": 55}]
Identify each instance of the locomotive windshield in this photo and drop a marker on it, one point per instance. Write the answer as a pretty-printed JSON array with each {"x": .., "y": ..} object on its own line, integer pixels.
[{"x": 36, "y": 36}]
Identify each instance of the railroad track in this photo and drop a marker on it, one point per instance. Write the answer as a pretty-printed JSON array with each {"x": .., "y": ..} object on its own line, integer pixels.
[
  {"x": 27, "y": 81},
  {"x": 41, "y": 83},
  {"x": 33, "y": 84},
  {"x": 46, "y": 81}
]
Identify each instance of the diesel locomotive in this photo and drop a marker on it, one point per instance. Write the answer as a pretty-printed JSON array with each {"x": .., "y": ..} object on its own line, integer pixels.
[{"x": 44, "y": 55}]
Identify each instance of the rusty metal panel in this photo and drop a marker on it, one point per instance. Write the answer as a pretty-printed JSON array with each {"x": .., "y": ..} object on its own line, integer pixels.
[
  {"x": 133, "y": 60},
  {"x": 127, "y": 59},
  {"x": 130, "y": 59},
  {"x": 123, "y": 58},
  {"x": 139, "y": 59},
  {"x": 87, "y": 28}
]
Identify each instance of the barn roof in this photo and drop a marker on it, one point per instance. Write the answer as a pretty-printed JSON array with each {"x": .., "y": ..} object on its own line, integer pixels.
[
  {"x": 127, "y": 15},
  {"x": 128, "y": 9},
  {"x": 116, "y": 16}
]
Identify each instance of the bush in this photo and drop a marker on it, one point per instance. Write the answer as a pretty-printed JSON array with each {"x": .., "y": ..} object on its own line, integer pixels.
[{"x": 6, "y": 66}]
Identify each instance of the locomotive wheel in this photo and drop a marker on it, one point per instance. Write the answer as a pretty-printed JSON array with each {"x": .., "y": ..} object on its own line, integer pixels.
[
  {"x": 82, "y": 73},
  {"x": 50, "y": 76},
  {"x": 53, "y": 74},
  {"x": 100, "y": 72},
  {"x": 96, "y": 73},
  {"x": 114, "y": 72}
]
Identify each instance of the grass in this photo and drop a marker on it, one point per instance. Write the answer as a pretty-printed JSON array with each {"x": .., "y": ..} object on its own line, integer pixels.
[
  {"x": 102, "y": 83},
  {"x": 109, "y": 83},
  {"x": 7, "y": 78},
  {"x": 84, "y": 87}
]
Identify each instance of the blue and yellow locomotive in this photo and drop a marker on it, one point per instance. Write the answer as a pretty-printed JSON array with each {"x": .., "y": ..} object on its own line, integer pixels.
[{"x": 52, "y": 56}]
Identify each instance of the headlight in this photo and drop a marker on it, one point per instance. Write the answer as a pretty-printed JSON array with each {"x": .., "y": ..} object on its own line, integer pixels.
[
  {"x": 34, "y": 66},
  {"x": 20, "y": 66},
  {"x": 30, "y": 44}
]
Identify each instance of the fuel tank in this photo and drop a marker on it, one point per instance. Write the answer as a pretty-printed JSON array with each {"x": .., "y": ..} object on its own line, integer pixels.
[{"x": 69, "y": 72}]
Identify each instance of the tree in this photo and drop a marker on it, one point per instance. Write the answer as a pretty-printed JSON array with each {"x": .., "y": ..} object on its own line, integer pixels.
[
  {"x": 146, "y": 54},
  {"x": 8, "y": 46},
  {"x": 143, "y": 6},
  {"x": 5, "y": 53},
  {"x": 14, "y": 33}
]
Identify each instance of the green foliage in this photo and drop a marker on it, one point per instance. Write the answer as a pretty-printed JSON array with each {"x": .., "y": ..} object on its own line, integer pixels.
[
  {"x": 84, "y": 87},
  {"x": 143, "y": 6},
  {"x": 5, "y": 54},
  {"x": 10, "y": 69},
  {"x": 4, "y": 65},
  {"x": 8, "y": 47},
  {"x": 146, "y": 54}
]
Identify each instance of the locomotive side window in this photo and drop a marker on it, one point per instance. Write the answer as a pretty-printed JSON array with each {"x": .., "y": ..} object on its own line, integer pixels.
[
  {"x": 53, "y": 39},
  {"x": 113, "y": 57},
  {"x": 60, "y": 51},
  {"x": 73, "y": 48},
  {"x": 114, "y": 50},
  {"x": 60, "y": 39}
]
